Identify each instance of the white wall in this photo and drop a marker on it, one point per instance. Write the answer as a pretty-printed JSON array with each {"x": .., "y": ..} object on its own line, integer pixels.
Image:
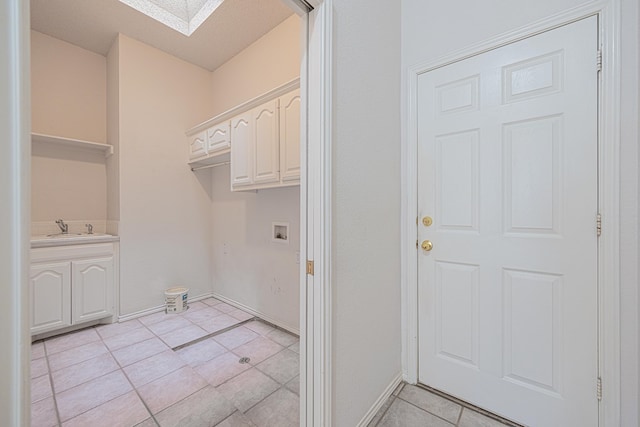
[
  {"x": 270, "y": 61},
  {"x": 433, "y": 29},
  {"x": 247, "y": 266},
  {"x": 68, "y": 93},
  {"x": 165, "y": 209},
  {"x": 255, "y": 272},
  {"x": 366, "y": 205}
]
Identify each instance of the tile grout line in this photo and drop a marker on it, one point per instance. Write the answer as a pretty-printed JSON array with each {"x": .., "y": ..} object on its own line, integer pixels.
[
  {"x": 425, "y": 410},
  {"x": 471, "y": 407},
  {"x": 135, "y": 389},
  {"x": 393, "y": 399},
  {"x": 53, "y": 390}
]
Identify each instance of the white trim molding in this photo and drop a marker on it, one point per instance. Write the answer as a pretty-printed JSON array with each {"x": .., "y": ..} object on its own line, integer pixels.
[
  {"x": 608, "y": 12},
  {"x": 318, "y": 327},
  {"x": 15, "y": 178},
  {"x": 379, "y": 403}
]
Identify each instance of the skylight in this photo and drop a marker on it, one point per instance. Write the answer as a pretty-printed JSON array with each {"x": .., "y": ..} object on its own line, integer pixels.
[{"x": 184, "y": 16}]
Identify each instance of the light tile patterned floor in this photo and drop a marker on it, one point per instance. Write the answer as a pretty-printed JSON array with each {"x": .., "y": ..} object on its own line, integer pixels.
[
  {"x": 411, "y": 406},
  {"x": 141, "y": 373}
]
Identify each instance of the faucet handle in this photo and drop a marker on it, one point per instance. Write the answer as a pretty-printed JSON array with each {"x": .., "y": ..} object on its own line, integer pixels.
[{"x": 89, "y": 228}]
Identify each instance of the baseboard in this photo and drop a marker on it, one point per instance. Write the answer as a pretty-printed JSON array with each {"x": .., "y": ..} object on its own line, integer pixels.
[
  {"x": 156, "y": 309},
  {"x": 371, "y": 413},
  {"x": 263, "y": 316}
]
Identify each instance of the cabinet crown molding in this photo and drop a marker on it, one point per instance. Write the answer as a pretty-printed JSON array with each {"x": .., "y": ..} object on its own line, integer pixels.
[{"x": 246, "y": 106}]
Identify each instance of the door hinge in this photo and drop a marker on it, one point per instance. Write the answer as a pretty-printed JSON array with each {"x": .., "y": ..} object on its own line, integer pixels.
[
  {"x": 599, "y": 60},
  {"x": 599, "y": 388},
  {"x": 598, "y": 225},
  {"x": 310, "y": 267}
]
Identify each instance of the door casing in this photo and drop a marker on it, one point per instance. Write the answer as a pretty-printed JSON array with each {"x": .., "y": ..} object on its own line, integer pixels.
[{"x": 608, "y": 13}]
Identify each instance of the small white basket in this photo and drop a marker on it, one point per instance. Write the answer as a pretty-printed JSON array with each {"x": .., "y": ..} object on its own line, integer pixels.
[{"x": 176, "y": 299}]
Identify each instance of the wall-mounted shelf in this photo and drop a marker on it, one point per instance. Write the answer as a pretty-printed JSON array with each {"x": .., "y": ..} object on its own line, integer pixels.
[{"x": 107, "y": 149}]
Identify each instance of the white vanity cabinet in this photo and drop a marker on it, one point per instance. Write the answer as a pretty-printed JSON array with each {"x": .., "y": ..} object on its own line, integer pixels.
[
  {"x": 50, "y": 287},
  {"x": 71, "y": 285}
]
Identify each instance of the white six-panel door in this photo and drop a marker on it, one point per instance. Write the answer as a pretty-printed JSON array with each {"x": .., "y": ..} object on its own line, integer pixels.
[{"x": 507, "y": 170}]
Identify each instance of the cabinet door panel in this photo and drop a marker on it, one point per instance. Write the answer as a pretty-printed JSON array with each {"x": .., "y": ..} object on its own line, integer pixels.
[
  {"x": 218, "y": 138},
  {"x": 267, "y": 147},
  {"x": 50, "y": 286},
  {"x": 241, "y": 150},
  {"x": 290, "y": 136},
  {"x": 197, "y": 146},
  {"x": 92, "y": 289}
]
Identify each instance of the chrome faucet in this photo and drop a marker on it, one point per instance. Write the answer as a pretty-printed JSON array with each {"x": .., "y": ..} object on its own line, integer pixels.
[
  {"x": 63, "y": 227},
  {"x": 89, "y": 228}
]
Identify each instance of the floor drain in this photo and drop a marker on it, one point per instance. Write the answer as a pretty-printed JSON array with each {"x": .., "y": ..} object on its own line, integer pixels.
[{"x": 244, "y": 360}]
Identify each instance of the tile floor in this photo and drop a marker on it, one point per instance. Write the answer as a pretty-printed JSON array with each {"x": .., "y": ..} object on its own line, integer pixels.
[
  {"x": 411, "y": 406},
  {"x": 141, "y": 373},
  {"x": 184, "y": 370}
]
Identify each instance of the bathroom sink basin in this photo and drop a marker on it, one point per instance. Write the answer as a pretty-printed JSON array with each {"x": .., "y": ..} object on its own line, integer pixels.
[{"x": 59, "y": 239}]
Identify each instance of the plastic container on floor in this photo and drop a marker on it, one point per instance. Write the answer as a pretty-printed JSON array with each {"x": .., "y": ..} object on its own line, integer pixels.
[{"x": 176, "y": 299}]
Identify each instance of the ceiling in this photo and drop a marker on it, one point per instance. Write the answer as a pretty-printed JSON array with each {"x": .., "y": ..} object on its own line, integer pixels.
[{"x": 94, "y": 24}]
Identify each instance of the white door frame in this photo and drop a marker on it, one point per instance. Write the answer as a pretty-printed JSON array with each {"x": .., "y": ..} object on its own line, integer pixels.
[
  {"x": 608, "y": 187},
  {"x": 15, "y": 160},
  {"x": 315, "y": 218},
  {"x": 15, "y": 127}
]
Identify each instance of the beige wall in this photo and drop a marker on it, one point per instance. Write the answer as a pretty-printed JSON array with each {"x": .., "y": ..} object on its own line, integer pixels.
[
  {"x": 68, "y": 90},
  {"x": 252, "y": 270},
  {"x": 165, "y": 209},
  {"x": 68, "y": 93},
  {"x": 272, "y": 60},
  {"x": 247, "y": 266},
  {"x": 365, "y": 205}
]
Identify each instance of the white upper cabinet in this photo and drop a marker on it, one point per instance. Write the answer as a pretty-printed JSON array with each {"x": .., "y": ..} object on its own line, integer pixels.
[
  {"x": 266, "y": 144},
  {"x": 218, "y": 138},
  {"x": 241, "y": 150},
  {"x": 290, "y": 136},
  {"x": 262, "y": 136},
  {"x": 198, "y": 145}
]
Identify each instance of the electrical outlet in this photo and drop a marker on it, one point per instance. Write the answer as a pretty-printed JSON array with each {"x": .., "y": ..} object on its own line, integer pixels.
[
  {"x": 225, "y": 248},
  {"x": 297, "y": 257}
]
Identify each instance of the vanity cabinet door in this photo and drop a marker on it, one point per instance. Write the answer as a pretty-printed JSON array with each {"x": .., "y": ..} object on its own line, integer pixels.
[
  {"x": 198, "y": 145},
  {"x": 50, "y": 286},
  {"x": 92, "y": 288},
  {"x": 290, "y": 136}
]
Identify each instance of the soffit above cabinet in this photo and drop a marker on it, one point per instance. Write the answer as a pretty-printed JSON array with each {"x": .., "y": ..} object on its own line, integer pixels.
[{"x": 94, "y": 24}]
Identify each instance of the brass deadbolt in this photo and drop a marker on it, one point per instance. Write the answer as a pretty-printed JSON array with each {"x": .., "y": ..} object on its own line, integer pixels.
[{"x": 427, "y": 221}]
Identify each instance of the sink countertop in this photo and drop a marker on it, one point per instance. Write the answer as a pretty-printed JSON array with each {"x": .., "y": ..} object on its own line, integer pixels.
[{"x": 46, "y": 241}]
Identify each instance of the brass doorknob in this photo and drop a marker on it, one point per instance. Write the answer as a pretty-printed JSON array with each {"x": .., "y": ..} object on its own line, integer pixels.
[{"x": 427, "y": 245}]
